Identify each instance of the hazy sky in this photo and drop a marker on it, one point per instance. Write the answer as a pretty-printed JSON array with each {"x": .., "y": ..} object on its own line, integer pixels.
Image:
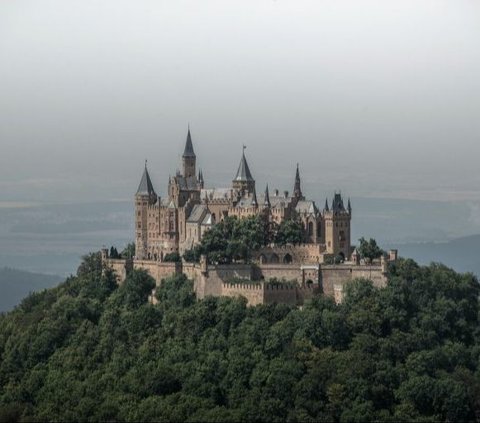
[{"x": 371, "y": 97}]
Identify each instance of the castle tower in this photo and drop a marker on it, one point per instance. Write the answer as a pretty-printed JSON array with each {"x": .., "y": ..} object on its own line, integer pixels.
[
  {"x": 243, "y": 180},
  {"x": 189, "y": 159},
  {"x": 337, "y": 227},
  {"x": 144, "y": 197},
  {"x": 297, "y": 189}
]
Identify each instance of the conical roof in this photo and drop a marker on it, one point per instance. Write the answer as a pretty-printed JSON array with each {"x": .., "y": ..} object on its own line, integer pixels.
[
  {"x": 254, "y": 198},
  {"x": 243, "y": 172},
  {"x": 188, "y": 152},
  {"x": 145, "y": 187}
]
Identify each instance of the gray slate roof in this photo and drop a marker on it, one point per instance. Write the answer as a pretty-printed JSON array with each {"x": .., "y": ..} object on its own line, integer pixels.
[
  {"x": 247, "y": 201},
  {"x": 216, "y": 194},
  {"x": 197, "y": 214},
  {"x": 188, "y": 152},
  {"x": 186, "y": 184},
  {"x": 306, "y": 206},
  {"x": 337, "y": 202},
  {"x": 243, "y": 172},
  {"x": 145, "y": 187}
]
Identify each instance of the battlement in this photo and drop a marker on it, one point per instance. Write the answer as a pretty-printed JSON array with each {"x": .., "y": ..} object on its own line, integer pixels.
[
  {"x": 282, "y": 286},
  {"x": 247, "y": 286}
]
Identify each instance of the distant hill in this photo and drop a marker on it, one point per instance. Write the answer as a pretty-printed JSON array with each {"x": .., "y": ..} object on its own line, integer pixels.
[
  {"x": 17, "y": 284},
  {"x": 461, "y": 254}
]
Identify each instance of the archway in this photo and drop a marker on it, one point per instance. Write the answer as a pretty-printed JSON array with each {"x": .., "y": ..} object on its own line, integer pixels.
[
  {"x": 274, "y": 258},
  {"x": 287, "y": 259}
]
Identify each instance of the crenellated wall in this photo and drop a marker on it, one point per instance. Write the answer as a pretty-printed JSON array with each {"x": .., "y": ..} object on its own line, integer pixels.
[
  {"x": 305, "y": 281},
  {"x": 253, "y": 292}
]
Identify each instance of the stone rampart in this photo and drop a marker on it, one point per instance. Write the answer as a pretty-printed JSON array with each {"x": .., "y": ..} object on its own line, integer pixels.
[
  {"x": 307, "y": 280},
  {"x": 253, "y": 292}
]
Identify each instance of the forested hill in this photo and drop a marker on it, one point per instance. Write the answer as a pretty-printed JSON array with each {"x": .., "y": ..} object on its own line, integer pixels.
[{"x": 89, "y": 350}]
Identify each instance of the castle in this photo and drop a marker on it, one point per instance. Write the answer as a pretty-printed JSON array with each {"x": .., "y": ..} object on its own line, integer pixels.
[{"x": 177, "y": 223}]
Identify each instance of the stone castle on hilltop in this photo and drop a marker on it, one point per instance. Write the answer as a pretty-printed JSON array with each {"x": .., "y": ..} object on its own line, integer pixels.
[{"x": 177, "y": 223}]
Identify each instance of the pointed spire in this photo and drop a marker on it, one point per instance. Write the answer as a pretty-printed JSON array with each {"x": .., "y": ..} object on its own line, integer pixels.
[
  {"x": 297, "y": 189},
  {"x": 146, "y": 187},
  {"x": 326, "y": 205},
  {"x": 266, "y": 203},
  {"x": 188, "y": 152},
  {"x": 243, "y": 172},
  {"x": 254, "y": 198},
  {"x": 349, "y": 206}
]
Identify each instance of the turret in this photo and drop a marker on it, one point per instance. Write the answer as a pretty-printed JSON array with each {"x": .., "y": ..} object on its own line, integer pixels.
[
  {"x": 337, "y": 227},
  {"x": 144, "y": 197},
  {"x": 243, "y": 181},
  {"x": 201, "y": 182},
  {"x": 188, "y": 158}
]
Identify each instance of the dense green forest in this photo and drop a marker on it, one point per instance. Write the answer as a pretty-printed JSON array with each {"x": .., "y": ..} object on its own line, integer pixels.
[{"x": 89, "y": 350}]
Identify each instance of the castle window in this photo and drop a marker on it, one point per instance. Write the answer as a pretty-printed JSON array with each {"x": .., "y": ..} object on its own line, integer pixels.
[{"x": 310, "y": 228}]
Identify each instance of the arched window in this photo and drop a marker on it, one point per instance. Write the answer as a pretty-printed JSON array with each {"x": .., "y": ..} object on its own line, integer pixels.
[
  {"x": 287, "y": 259},
  {"x": 274, "y": 258}
]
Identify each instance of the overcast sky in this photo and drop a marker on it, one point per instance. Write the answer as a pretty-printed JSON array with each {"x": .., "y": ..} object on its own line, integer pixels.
[{"x": 378, "y": 98}]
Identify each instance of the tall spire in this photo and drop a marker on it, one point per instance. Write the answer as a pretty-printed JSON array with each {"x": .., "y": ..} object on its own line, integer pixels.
[
  {"x": 266, "y": 203},
  {"x": 188, "y": 152},
  {"x": 349, "y": 206},
  {"x": 326, "y": 205},
  {"x": 189, "y": 159},
  {"x": 297, "y": 189}
]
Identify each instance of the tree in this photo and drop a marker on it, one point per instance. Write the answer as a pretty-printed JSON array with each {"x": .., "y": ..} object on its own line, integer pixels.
[
  {"x": 290, "y": 231},
  {"x": 369, "y": 250},
  {"x": 128, "y": 251},
  {"x": 114, "y": 253},
  {"x": 91, "y": 264},
  {"x": 172, "y": 257}
]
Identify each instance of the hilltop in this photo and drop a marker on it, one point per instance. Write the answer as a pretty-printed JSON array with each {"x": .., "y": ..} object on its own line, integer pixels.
[{"x": 91, "y": 350}]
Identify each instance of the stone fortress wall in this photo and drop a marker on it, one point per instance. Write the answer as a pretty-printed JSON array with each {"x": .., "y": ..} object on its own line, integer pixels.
[{"x": 249, "y": 280}]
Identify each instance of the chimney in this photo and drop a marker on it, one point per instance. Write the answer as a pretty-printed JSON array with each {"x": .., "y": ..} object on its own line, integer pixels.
[
  {"x": 285, "y": 194},
  {"x": 276, "y": 192}
]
